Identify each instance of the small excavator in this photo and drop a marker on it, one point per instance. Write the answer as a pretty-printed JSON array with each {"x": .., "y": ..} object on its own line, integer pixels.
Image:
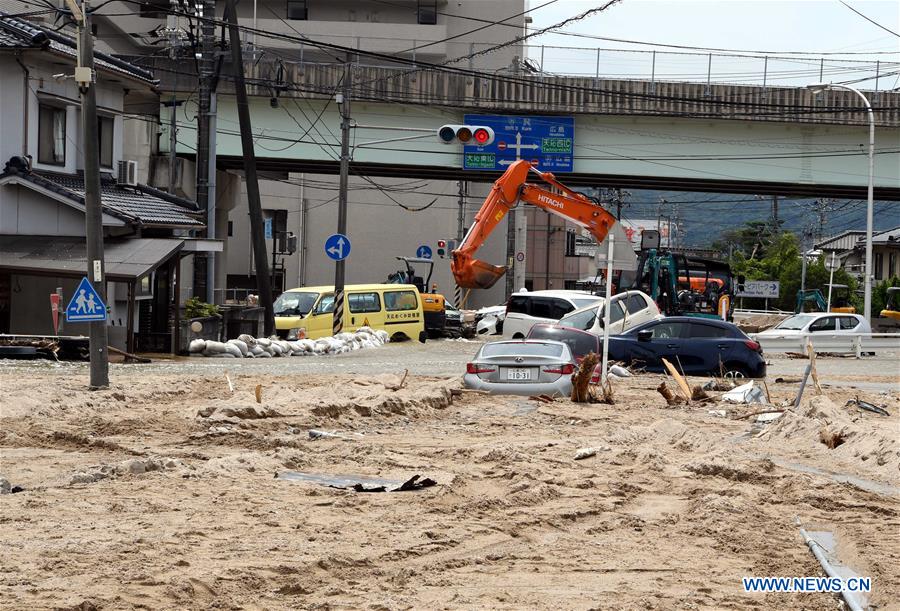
[
  {"x": 508, "y": 190},
  {"x": 433, "y": 305}
]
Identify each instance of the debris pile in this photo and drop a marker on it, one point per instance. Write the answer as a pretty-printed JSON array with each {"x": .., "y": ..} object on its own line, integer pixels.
[{"x": 247, "y": 346}]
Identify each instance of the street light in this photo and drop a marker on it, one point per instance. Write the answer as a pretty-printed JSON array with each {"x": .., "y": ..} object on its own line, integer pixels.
[{"x": 867, "y": 296}]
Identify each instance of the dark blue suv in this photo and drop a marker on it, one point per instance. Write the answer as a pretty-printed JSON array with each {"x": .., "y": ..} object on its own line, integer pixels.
[{"x": 702, "y": 346}]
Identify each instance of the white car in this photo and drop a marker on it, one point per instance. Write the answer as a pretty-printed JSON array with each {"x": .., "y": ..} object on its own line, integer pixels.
[
  {"x": 628, "y": 310},
  {"x": 818, "y": 322},
  {"x": 527, "y": 308}
]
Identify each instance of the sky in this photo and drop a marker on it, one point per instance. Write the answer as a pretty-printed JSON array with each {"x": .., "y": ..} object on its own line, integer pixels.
[{"x": 809, "y": 26}]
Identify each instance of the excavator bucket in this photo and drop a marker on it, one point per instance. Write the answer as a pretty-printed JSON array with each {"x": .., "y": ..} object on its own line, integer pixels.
[{"x": 476, "y": 274}]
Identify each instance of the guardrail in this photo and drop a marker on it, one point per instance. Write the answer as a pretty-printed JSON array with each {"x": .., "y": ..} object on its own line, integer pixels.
[{"x": 855, "y": 343}]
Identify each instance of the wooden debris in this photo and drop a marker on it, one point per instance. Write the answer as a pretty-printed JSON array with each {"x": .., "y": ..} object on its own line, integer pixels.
[
  {"x": 682, "y": 383},
  {"x": 458, "y": 392},
  {"x": 258, "y": 392},
  {"x": 396, "y": 387},
  {"x": 128, "y": 356},
  {"x": 670, "y": 397},
  {"x": 812, "y": 365},
  {"x": 230, "y": 385},
  {"x": 698, "y": 394},
  {"x": 581, "y": 379},
  {"x": 766, "y": 387},
  {"x": 542, "y": 398}
]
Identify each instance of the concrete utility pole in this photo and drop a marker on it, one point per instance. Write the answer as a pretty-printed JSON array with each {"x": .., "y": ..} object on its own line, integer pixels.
[
  {"x": 460, "y": 232},
  {"x": 257, "y": 232},
  {"x": 344, "y": 103},
  {"x": 204, "y": 267},
  {"x": 93, "y": 211},
  {"x": 775, "y": 210}
]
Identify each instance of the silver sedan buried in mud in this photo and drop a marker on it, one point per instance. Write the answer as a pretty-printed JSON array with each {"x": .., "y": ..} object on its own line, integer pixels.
[{"x": 522, "y": 367}]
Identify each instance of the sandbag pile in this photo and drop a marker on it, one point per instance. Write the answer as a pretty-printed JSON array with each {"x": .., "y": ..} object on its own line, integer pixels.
[{"x": 247, "y": 346}]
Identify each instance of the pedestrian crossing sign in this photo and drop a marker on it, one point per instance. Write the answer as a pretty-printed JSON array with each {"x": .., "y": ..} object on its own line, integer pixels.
[{"x": 86, "y": 305}]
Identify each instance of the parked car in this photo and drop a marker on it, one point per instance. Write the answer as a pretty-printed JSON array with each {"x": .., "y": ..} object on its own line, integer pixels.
[
  {"x": 525, "y": 309},
  {"x": 522, "y": 367},
  {"x": 453, "y": 321},
  {"x": 580, "y": 343},
  {"x": 628, "y": 309},
  {"x": 700, "y": 346},
  {"x": 818, "y": 322}
]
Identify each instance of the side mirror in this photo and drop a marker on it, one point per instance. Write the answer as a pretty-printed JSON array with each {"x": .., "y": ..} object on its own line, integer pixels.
[{"x": 645, "y": 335}]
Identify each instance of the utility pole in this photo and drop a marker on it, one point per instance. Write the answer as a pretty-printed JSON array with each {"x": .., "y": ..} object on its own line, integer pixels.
[
  {"x": 460, "y": 228},
  {"x": 204, "y": 266},
  {"x": 257, "y": 232},
  {"x": 93, "y": 211},
  {"x": 775, "y": 211},
  {"x": 343, "y": 100}
]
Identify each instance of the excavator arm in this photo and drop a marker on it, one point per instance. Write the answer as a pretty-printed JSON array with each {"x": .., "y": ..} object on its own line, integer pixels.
[{"x": 508, "y": 190}]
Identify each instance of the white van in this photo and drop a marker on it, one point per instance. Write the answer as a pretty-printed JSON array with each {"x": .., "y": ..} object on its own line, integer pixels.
[
  {"x": 525, "y": 309},
  {"x": 628, "y": 310}
]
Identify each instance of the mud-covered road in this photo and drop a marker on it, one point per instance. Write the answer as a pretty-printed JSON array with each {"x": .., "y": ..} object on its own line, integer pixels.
[{"x": 161, "y": 492}]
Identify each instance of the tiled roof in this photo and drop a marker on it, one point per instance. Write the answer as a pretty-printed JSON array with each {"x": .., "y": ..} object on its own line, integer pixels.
[
  {"x": 140, "y": 204},
  {"x": 19, "y": 34}
]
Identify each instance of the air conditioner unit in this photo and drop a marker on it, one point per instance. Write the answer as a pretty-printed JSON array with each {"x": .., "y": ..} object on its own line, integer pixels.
[{"x": 127, "y": 174}]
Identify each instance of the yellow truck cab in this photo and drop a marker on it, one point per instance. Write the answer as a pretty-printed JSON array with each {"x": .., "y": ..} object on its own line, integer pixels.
[{"x": 308, "y": 312}]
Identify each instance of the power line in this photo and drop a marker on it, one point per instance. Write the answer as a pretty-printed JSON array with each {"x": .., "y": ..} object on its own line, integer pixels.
[{"x": 872, "y": 21}]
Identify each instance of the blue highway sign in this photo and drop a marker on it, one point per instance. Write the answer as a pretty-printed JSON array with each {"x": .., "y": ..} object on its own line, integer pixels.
[
  {"x": 86, "y": 305},
  {"x": 337, "y": 246},
  {"x": 423, "y": 252},
  {"x": 547, "y": 141}
]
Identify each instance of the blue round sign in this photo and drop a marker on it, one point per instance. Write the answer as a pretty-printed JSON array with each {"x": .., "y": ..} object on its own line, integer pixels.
[
  {"x": 337, "y": 247},
  {"x": 423, "y": 252}
]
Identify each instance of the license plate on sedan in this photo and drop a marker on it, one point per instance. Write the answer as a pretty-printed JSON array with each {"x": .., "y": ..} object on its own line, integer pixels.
[{"x": 518, "y": 374}]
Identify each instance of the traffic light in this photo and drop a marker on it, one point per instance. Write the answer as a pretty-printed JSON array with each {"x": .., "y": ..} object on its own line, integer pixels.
[
  {"x": 442, "y": 248},
  {"x": 477, "y": 135}
]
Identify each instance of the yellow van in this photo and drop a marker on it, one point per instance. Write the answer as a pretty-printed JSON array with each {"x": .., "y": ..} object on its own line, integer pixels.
[{"x": 308, "y": 312}]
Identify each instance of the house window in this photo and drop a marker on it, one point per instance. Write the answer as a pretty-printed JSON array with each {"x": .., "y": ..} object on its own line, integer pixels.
[
  {"x": 879, "y": 263},
  {"x": 105, "y": 130},
  {"x": 427, "y": 13},
  {"x": 52, "y": 135},
  {"x": 298, "y": 10},
  {"x": 892, "y": 265}
]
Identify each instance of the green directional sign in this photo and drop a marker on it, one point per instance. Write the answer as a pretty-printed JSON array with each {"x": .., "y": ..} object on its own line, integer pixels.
[
  {"x": 480, "y": 161},
  {"x": 556, "y": 145}
]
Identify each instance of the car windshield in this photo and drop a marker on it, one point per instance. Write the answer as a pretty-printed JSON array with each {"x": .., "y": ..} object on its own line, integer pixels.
[
  {"x": 795, "y": 323},
  {"x": 294, "y": 303},
  {"x": 579, "y": 343},
  {"x": 521, "y": 349},
  {"x": 581, "y": 302}
]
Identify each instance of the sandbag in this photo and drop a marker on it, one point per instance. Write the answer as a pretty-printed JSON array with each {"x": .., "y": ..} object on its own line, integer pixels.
[
  {"x": 257, "y": 351},
  {"x": 226, "y": 355},
  {"x": 307, "y": 344},
  {"x": 242, "y": 346},
  {"x": 247, "y": 339},
  {"x": 233, "y": 350},
  {"x": 214, "y": 347},
  {"x": 275, "y": 349},
  {"x": 265, "y": 342},
  {"x": 197, "y": 345}
]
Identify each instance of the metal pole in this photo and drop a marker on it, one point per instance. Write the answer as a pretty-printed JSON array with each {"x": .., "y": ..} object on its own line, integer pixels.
[
  {"x": 653, "y": 72},
  {"x": 460, "y": 229},
  {"x": 765, "y": 72},
  {"x": 344, "y": 103},
  {"x": 830, "y": 280},
  {"x": 211, "y": 258},
  {"x": 542, "y": 60},
  {"x": 93, "y": 212},
  {"x": 821, "y": 69},
  {"x": 606, "y": 305},
  {"x": 709, "y": 74},
  {"x": 597, "y": 75},
  {"x": 173, "y": 108},
  {"x": 877, "y": 73},
  {"x": 547, "y": 253},
  {"x": 257, "y": 233},
  {"x": 803, "y": 263}
]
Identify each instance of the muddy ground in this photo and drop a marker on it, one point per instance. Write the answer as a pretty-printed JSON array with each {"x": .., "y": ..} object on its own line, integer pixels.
[{"x": 161, "y": 493}]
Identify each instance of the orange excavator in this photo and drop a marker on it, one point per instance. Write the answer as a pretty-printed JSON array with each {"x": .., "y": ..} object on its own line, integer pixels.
[{"x": 508, "y": 190}]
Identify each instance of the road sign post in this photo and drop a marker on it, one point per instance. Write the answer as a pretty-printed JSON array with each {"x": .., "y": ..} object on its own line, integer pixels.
[
  {"x": 424, "y": 252},
  {"x": 831, "y": 264},
  {"x": 86, "y": 304}
]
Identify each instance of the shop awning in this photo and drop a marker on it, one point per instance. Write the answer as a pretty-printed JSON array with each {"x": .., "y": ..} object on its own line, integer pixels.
[{"x": 125, "y": 259}]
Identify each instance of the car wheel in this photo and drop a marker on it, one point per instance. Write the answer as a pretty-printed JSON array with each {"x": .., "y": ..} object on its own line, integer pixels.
[{"x": 736, "y": 372}]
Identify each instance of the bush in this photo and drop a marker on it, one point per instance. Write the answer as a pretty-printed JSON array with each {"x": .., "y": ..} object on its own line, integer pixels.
[{"x": 194, "y": 308}]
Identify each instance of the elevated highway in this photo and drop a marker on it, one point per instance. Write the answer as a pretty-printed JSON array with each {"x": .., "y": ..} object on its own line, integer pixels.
[{"x": 628, "y": 133}]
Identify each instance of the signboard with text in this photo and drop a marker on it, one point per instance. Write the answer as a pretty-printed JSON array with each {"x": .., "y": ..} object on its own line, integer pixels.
[
  {"x": 764, "y": 289},
  {"x": 547, "y": 141}
]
